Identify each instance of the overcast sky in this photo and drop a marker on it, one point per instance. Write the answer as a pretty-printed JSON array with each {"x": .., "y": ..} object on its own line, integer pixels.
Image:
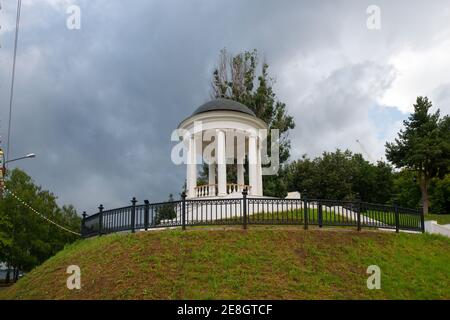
[{"x": 98, "y": 104}]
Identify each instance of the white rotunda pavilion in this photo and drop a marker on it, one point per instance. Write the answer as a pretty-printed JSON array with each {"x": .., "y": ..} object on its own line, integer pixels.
[{"x": 223, "y": 132}]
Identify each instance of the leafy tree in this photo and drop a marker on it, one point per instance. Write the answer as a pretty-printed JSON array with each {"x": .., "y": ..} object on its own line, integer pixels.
[
  {"x": 334, "y": 175},
  {"x": 166, "y": 211},
  {"x": 405, "y": 189},
  {"x": 440, "y": 195},
  {"x": 27, "y": 239},
  {"x": 300, "y": 175},
  {"x": 5, "y": 236},
  {"x": 423, "y": 146},
  {"x": 383, "y": 187},
  {"x": 340, "y": 175},
  {"x": 236, "y": 78},
  {"x": 373, "y": 183}
]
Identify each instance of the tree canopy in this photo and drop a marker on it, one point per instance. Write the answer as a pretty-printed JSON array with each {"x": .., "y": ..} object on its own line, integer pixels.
[
  {"x": 340, "y": 175},
  {"x": 26, "y": 239},
  {"x": 236, "y": 77},
  {"x": 423, "y": 146}
]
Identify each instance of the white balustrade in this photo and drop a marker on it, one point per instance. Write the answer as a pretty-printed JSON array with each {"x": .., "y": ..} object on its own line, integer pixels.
[{"x": 209, "y": 190}]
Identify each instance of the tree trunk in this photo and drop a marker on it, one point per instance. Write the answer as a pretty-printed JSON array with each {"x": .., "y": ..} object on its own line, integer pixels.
[
  {"x": 424, "y": 191},
  {"x": 16, "y": 274},
  {"x": 8, "y": 275}
]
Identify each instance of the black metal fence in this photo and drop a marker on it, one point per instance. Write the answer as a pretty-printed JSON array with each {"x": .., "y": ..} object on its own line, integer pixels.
[{"x": 251, "y": 211}]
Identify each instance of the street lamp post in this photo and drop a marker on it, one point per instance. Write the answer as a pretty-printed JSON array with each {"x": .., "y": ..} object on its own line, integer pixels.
[
  {"x": 3, "y": 163},
  {"x": 30, "y": 155}
]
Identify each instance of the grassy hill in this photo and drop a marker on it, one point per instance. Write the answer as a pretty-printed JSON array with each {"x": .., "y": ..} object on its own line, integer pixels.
[{"x": 259, "y": 263}]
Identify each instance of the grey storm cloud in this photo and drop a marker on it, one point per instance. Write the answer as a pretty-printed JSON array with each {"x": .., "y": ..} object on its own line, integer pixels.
[{"x": 98, "y": 104}]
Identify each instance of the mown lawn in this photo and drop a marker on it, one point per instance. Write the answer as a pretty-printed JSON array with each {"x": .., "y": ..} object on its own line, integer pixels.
[
  {"x": 258, "y": 263},
  {"x": 332, "y": 216},
  {"x": 440, "y": 218}
]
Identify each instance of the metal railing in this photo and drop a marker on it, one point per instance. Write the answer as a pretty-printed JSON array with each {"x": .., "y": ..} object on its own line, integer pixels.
[{"x": 252, "y": 211}]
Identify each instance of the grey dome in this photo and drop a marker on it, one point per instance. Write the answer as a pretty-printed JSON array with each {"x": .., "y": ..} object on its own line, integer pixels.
[{"x": 223, "y": 104}]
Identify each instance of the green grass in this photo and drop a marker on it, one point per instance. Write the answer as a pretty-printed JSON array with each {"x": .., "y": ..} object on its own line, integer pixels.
[
  {"x": 297, "y": 216},
  {"x": 292, "y": 217},
  {"x": 440, "y": 218},
  {"x": 259, "y": 263},
  {"x": 387, "y": 217},
  {"x": 329, "y": 217}
]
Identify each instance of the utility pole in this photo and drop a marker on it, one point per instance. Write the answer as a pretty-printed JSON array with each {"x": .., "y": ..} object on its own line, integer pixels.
[
  {"x": 3, "y": 163},
  {"x": 2, "y": 173}
]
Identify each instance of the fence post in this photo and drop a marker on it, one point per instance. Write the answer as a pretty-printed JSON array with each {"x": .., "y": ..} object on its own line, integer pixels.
[
  {"x": 133, "y": 214},
  {"x": 422, "y": 219},
  {"x": 305, "y": 209},
  {"x": 146, "y": 214},
  {"x": 397, "y": 218},
  {"x": 83, "y": 224},
  {"x": 244, "y": 208},
  {"x": 100, "y": 220},
  {"x": 319, "y": 214},
  {"x": 183, "y": 210},
  {"x": 358, "y": 210}
]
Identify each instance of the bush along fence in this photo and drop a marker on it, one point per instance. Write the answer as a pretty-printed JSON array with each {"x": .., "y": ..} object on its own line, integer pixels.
[{"x": 247, "y": 211}]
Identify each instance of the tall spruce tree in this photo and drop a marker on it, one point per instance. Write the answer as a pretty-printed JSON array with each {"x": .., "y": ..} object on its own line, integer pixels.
[{"x": 423, "y": 146}]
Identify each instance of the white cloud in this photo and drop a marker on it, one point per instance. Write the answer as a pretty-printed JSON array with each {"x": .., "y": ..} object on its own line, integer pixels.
[
  {"x": 55, "y": 4},
  {"x": 336, "y": 111},
  {"x": 420, "y": 71}
]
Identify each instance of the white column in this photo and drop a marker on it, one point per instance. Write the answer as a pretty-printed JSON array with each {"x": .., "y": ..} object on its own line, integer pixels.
[
  {"x": 259, "y": 169},
  {"x": 240, "y": 159},
  {"x": 252, "y": 165},
  {"x": 240, "y": 174},
  {"x": 191, "y": 174},
  {"x": 212, "y": 179},
  {"x": 221, "y": 164}
]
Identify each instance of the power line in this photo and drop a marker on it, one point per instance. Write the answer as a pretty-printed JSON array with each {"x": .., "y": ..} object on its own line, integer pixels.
[
  {"x": 16, "y": 37},
  {"x": 19, "y": 6},
  {"x": 40, "y": 214}
]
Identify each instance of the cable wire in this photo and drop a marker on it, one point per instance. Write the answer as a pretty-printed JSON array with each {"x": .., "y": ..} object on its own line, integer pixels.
[
  {"x": 38, "y": 213},
  {"x": 16, "y": 38},
  {"x": 19, "y": 6}
]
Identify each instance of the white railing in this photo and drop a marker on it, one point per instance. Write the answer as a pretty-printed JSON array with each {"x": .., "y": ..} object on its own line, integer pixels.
[
  {"x": 234, "y": 187},
  {"x": 206, "y": 190},
  {"x": 210, "y": 190}
]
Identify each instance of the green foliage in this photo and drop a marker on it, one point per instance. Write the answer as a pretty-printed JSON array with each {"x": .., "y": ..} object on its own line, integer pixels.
[
  {"x": 340, "y": 175},
  {"x": 27, "y": 240},
  {"x": 166, "y": 211},
  {"x": 236, "y": 78},
  {"x": 406, "y": 189},
  {"x": 275, "y": 185},
  {"x": 423, "y": 146},
  {"x": 440, "y": 195}
]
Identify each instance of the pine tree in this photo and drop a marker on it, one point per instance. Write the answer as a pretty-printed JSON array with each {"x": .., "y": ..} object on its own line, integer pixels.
[{"x": 423, "y": 146}]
